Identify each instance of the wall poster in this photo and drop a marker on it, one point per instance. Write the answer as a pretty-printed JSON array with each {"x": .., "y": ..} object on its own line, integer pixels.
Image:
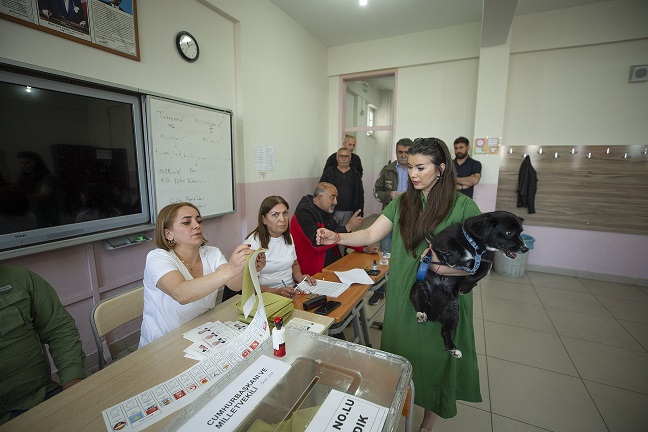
[{"x": 109, "y": 25}]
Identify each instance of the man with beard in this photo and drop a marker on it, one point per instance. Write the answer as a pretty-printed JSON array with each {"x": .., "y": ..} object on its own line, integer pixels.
[{"x": 468, "y": 169}]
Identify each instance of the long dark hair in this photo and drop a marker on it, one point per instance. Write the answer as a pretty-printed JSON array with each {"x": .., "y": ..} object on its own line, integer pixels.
[
  {"x": 261, "y": 231},
  {"x": 416, "y": 220}
]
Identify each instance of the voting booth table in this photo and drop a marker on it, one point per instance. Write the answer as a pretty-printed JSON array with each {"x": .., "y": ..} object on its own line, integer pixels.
[
  {"x": 217, "y": 373},
  {"x": 320, "y": 384}
]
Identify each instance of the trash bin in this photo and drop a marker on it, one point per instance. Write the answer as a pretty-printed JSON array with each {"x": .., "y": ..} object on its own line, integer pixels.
[{"x": 513, "y": 267}]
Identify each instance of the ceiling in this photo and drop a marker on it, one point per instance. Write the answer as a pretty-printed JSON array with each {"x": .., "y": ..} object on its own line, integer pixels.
[{"x": 341, "y": 22}]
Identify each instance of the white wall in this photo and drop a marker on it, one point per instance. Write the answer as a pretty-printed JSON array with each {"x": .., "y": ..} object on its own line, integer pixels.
[
  {"x": 567, "y": 83},
  {"x": 254, "y": 60}
]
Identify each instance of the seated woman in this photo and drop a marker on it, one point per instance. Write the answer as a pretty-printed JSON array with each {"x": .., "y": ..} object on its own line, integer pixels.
[
  {"x": 282, "y": 269},
  {"x": 182, "y": 276}
]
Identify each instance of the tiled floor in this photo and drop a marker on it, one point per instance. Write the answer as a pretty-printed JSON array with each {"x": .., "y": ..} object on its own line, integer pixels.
[{"x": 556, "y": 353}]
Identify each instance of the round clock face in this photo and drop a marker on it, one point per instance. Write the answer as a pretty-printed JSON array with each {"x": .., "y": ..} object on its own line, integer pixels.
[{"x": 187, "y": 46}]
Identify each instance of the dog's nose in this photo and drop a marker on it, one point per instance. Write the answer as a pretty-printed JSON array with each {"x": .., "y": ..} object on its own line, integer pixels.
[{"x": 524, "y": 249}]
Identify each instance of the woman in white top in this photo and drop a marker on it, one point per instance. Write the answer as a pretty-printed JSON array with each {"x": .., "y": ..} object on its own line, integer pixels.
[
  {"x": 281, "y": 270},
  {"x": 182, "y": 276}
]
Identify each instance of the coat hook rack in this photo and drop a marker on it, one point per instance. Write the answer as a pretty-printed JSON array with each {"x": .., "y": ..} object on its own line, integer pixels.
[
  {"x": 626, "y": 156},
  {"x": 608, "y": 151},
  {"x": 540, "y": 151},
  {"x": 573, "y": 151},
  {"x": 589, "y": 156},
  {"x": 556, "y": 155}
]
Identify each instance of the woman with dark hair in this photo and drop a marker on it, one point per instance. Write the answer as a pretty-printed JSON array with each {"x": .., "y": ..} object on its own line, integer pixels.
[
  {"x": 427, "y": 208},
  {"x": 183, "y": 276},
  {"x": 282, "y": 270},
  {"x": 39, "y": 185}
]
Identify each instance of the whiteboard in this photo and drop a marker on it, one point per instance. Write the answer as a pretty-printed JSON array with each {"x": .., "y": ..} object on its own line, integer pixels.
[{"x": 191, "y": 153}]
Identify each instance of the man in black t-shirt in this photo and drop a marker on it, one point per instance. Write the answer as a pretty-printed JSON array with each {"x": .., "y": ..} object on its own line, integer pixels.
[{"x": 468, "y": 169}]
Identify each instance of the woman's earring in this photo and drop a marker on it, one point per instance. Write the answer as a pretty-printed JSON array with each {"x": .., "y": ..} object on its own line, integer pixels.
[
  {"x": 438, "y": 177},
  {"x": 171, "y": 241}
]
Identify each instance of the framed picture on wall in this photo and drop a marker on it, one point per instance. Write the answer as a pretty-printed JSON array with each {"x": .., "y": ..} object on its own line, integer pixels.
[{"x": 109, "y": 25}]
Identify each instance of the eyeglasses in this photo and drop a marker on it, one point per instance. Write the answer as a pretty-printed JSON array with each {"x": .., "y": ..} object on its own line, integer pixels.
[{"x": 343, "y": 157}]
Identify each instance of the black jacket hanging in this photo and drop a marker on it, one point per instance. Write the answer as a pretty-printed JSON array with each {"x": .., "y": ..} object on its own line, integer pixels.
[{"x": 527, "y": 185}]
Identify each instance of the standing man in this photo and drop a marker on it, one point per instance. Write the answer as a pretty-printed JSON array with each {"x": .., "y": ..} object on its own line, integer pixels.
[
  {"x": 350, "y": 143},
  {"x": 314, "y": 212},
  {"x": 31, "y": 314},
  {"x": 391, "y": 182},
  {"x": 348, "y": 181},
  {"x": 468, "y": 169}
]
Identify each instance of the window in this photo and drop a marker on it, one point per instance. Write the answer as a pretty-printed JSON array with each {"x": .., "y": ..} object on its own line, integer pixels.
[{"x": 371, "y": 118}]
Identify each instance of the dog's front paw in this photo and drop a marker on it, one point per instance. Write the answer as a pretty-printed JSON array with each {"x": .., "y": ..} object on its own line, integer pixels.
[
  {"x": 421, "y": 317},
  {"x": 455, "y": 353}
]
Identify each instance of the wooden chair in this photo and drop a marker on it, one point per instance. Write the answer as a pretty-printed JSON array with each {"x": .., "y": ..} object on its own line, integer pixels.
[{"x": 114, "y": 312}]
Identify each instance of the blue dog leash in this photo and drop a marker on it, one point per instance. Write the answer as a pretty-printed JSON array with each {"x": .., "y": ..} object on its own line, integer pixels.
[
  {"x": 427, "y": 259},
  {"x": 478, "y": 255}
]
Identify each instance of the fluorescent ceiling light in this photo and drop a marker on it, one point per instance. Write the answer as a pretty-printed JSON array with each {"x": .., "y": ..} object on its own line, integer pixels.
[{"x": 363, "y": 2}]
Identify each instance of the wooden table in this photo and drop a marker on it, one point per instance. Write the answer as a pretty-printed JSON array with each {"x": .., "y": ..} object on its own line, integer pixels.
[
  {"x": 80, "y": 407},
  {"x": 358, "y": 260},
  {"x": 352, "y": 310},
  {"x": 364, "y": 261}
]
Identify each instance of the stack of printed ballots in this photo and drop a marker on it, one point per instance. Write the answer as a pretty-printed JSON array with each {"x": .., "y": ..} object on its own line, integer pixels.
[{"x": 275, "y": 306}]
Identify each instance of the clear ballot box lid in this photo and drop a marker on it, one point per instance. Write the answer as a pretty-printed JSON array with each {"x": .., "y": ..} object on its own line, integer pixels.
[{"x": 318, "y": 365}]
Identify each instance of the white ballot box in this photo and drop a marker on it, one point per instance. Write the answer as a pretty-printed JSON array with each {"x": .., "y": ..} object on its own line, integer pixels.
[{"x": 321, "y": 384}]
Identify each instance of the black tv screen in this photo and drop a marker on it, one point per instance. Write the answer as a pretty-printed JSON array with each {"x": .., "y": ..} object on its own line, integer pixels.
[{"x": 72, "y": 160}]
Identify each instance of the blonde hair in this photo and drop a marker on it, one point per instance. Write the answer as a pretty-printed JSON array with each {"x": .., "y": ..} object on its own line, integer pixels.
[{"x": 165, "y": 220}]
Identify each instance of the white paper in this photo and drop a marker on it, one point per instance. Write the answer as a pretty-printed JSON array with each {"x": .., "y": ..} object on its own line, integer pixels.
[
  {"x": 230, "y": 407},
  {"x": 327, "y": 288},
  {"x": 341, "y": 412},
  {"x": 354, "y": 276}
]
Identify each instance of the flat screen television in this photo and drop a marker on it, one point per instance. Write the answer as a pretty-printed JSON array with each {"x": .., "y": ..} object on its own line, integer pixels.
[{"x": 72, "y": 160}]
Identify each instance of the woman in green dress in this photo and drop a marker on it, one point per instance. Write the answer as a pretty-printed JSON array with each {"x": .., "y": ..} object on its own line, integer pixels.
[{"x": 429, "y": 206}]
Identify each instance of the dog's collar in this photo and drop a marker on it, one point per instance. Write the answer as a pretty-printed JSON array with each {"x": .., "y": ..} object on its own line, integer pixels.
[{"x": 478, "y": 255}]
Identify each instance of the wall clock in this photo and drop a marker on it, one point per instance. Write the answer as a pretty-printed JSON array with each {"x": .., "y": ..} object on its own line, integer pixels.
[{"x": 187, "y": 46}]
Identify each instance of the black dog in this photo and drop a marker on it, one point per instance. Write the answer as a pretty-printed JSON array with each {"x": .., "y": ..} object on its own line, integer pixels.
[{"x": 471, "y": 247}]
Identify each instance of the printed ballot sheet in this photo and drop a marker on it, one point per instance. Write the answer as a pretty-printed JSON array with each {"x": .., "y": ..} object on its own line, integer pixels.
[
  {"x": 148, "y": 407},
  {"x": 236, "y": 401}
]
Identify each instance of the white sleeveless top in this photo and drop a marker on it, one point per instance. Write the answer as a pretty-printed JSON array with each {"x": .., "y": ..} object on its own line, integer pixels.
[{"x": 161, "y": 312}]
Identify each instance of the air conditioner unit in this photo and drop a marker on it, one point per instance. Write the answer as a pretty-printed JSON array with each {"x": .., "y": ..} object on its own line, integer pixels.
[{"x": 638, "y": 73}]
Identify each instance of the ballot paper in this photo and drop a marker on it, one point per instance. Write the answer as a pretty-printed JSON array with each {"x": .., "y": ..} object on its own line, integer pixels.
[
  {"x": 228, "y": 409},
  {"x": 354, "y": 276},
  {"x": 324, "y": 287},
  {"x": 142, "y": 410}
]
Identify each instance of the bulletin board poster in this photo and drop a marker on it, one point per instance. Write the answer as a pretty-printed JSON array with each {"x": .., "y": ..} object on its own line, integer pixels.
[
  {"x": 487, "y": 146},
  {"x": 109, "y": 25}
]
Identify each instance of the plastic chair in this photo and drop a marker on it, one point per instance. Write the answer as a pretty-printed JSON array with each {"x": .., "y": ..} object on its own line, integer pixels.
[{"x": 114, "y": 312}]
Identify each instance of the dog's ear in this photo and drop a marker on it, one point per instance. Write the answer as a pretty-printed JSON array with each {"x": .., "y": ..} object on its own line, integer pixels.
[{"x": 480, "y": 226}]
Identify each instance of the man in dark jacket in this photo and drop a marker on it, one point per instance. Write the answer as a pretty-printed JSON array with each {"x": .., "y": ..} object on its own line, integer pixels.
[
  {"x": 31, "y": 314},
  {"x": 349, "y": 143},
  {"x": 348, "y": 183},
  {"x": 312, "y": 213}
]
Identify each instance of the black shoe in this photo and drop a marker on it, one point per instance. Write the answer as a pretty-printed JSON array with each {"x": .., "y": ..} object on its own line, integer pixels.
[{"x": 376, "y": 297}]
